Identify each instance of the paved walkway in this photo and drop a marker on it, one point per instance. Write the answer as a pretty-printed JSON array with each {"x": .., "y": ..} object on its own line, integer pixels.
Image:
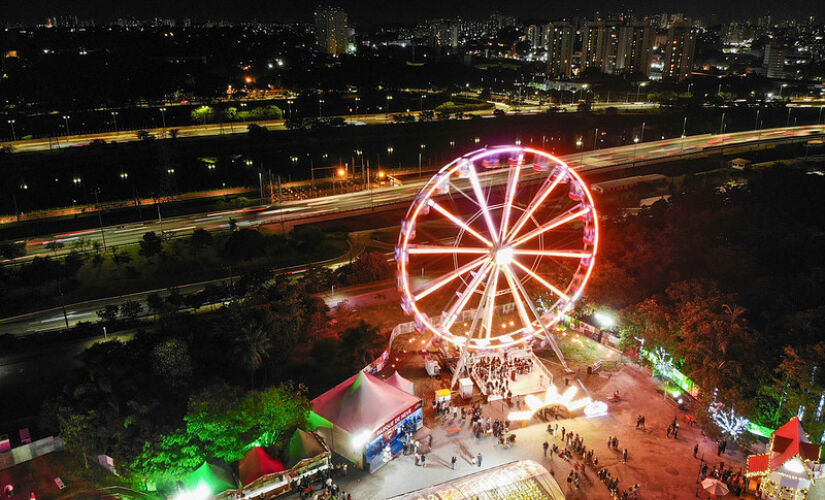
[{"x": 665, "y": 468}]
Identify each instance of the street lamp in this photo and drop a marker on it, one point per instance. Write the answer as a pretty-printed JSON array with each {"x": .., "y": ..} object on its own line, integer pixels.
[
  {"x": 289, "y": 103},
  {"x": 320, "y": 103},
  {"x": 788, "y": 124},
  {"x": 170, "y": 171},
  {"x": 357, "y": 99},
  {"x": 390, "y": 150},
  {"x": 579, "y": 144},
  {"x": 389, "y": 98},
  {"x": 76, "y": 180},
  {"x": 781, "y": 87},
  {"x": 423, "y": 146},
  {"x": 14, "y": 134},
  {"x": 114, "y": 119},
  {"x": 66, "y": 119},
  {"x": 163, "y": 119},
  {"x": 639, "y": 86},
  {"x": 421, "y": 102},
  {"x": 124, "y": 175}
]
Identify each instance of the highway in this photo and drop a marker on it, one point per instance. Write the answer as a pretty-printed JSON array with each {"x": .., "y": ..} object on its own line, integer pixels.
[
  {"x": 212, "y": 129},
  {"x": 290, "y": 212},
  {"x": 342, "y": 205}
]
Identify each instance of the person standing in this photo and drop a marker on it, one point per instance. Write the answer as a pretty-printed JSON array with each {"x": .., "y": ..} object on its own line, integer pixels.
[
  {"x": 695, "y": 450},
  {"x": 453, "y": 461},
  {"x": 478, "y": 459},
  {"x": 417, "y": 459},
  {"x": 545, "y": 446},
  {"x": 624, "y": 455},
  {"x": 423, "y": 460}
]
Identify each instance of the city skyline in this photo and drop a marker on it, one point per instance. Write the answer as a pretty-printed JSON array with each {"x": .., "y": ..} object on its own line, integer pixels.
[{"x": 371, "y": 12}]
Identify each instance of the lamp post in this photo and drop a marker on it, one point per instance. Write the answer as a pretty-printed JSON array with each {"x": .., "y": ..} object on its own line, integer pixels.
[
  {"x": 642, "y": 135},
  {"x": 421, "y": 101},
  {"x": 788, "y": 123},
  {"x": 579, "y": 144},
  {"x": 320, "y": 103},
  {"x": 357, "y": 99},
  {"x": 423, "y": 146},
  {"x": 639, "y": 86},
  {"x": 289, "y": 105},
  {"x": 722, "y": 123},
  {"x": 14, "y": 134},
  {"x": 66, "y": 119},
  {"x": 684, "y": 130},
  {"x": 114, "y": 119},
  {"x": 163, "y": 119},
  {"x": 100, "y": 218},
  {"x": 781, "y": 88},
  {"x": 389, "y": 98}
]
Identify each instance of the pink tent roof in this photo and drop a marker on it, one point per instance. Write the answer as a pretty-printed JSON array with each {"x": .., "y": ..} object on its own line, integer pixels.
[
  {"x": 256, "y": 463},
  {"x": 399, "y": 382},
  {"x": 362, "y": 402}
]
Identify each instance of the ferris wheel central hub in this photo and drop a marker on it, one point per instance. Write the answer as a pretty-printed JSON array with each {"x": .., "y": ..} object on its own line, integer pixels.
[{"x": 503, "y": 256}]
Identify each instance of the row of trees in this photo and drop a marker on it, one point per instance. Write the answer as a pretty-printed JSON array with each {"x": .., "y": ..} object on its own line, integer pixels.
[
  {"x": 732, "y": 284},
  {"x": 193, "y": 387},
  {"x": 208, "y": 114}
]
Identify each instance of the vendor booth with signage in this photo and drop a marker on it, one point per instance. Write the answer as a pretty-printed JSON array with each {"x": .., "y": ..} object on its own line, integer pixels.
[{"x": 366, "y": 419}]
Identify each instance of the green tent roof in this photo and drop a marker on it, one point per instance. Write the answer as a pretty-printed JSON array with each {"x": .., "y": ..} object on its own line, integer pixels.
[
  {"x": 217, "y": 478},
  {"x": 303, "y": 445}
]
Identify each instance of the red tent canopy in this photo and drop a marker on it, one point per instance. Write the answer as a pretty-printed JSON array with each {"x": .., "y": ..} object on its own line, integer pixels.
[
  {"x": 363, "y": 402},
  {"x": 789, "y": 441},
  {"x": 399, "y": 382},
  {"x": 257, "y": 463}
]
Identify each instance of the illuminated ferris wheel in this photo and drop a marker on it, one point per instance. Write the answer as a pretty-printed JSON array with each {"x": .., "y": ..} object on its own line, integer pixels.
[{"x": 496, "y": 247}]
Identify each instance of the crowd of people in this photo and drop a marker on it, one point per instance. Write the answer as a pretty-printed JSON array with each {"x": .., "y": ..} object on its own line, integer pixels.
[
  {"x": 495, "y": 373},
  {"x": 327, "y": 490},
  {"x": 573, "y": 448}
]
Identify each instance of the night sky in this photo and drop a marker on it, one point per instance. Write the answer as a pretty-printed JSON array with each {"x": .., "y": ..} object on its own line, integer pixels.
[{"x": 366, "y": 12}]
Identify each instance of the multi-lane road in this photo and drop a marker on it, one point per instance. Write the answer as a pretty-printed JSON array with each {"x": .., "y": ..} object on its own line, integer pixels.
[
  {"x": 212, "y": 129},
  {"x": 289, "y": 213}
]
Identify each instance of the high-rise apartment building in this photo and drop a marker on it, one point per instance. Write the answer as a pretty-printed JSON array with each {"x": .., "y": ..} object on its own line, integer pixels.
[
  {"x": 331, "y": 30},
  {"x": 617, "y": 48},
  {"x": 443, "y": 34},
  {"x": 534, "y": 36},
  {"x": 679, "y": 51},
  {"x": 559, "y": 43},
  {"x": 635, "y": 49},
  {"x": 774, "y": 59}
]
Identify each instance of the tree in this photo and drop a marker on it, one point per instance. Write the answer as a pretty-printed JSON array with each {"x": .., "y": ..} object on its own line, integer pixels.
[
  {"x": 252, "y": 346},
  {"x": 150, "y": 245},
  {"x": 362, "y": 343},
  {"x": 156, "y": 303},
  {"x": 369, "y": 267},
  {"x": 82, "y": 433},
  {"x": 130, "y": 310},
  {"x": 108, "y": 314},
  {"x": 245, "y": 244},
  {"x": 201, "y": 238},
  {"x": 12, "y": 250},
  {"x": 172, "y": 362},
  {"x": 203, "y": 114}
]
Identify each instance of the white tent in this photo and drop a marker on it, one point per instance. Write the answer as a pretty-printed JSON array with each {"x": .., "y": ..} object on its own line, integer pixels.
[{"x": 399, "y": 382}]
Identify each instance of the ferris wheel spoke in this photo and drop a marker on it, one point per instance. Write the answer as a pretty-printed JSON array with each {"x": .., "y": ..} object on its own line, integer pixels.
[
  {"x": 542, "y": 280},
  {"x": 512, "y": 184},
  {"x": 553, "y": 253},
  {"x": 558, "y": 221},
  {"x": 536, "y": 203},
  {"x": 468, "y": 292},
  {"x": 447, "y": 278},
  {"x": 522, "y": 311},
  {"x": 482, "y": 201},
  {"x": 458, "y": 222},
  {"x": 443, "y": 249},
  {"x": 491, "y": 302}
]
